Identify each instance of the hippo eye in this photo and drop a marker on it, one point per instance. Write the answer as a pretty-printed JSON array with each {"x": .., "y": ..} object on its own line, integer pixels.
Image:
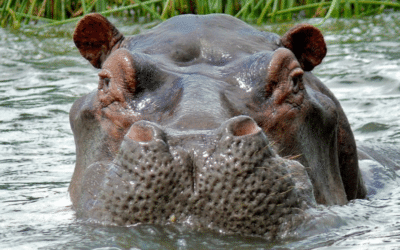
[
  {"x": 104, "y": 80},
  {"x": 296, "y": 84},
  {"x": 297, "y": 79}
]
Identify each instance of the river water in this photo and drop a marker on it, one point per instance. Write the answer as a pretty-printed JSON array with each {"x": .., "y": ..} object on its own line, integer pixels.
[{"x": 41, "y": 74}]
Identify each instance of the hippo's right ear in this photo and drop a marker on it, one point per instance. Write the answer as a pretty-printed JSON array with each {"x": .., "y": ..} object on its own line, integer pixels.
[
  {"x": 307, "y": 44},
  {"x": 95, "y": 37}
]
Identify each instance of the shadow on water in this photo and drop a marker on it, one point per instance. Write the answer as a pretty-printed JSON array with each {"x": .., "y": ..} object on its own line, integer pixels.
[{"x": 41, "y": 74}]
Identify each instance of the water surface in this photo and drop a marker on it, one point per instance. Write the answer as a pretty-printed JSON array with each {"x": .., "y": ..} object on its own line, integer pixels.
[{"x": 41, "y": 74}]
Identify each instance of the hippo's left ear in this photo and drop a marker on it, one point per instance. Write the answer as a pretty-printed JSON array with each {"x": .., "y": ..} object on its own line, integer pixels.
[
  {"x": 307, "y": 43},
  {"x": 95, "y": 37}
]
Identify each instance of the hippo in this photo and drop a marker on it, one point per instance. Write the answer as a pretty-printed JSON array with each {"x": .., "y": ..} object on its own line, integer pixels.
[{"x": 206, "y": 121}]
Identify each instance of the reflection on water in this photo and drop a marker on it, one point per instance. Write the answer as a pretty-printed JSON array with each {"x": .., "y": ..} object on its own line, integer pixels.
[
  {"x": 363, "y": 70},
  {"x": 41, "y": 74}
]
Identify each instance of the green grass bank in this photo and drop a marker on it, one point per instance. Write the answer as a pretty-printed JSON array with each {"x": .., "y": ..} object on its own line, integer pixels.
[{"x": 52, "y": 12}]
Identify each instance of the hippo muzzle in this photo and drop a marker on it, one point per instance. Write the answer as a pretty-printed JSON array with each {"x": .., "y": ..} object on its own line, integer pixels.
[
  {"x": 216, "y": 125},
  {"x": 228, "y": 179}
]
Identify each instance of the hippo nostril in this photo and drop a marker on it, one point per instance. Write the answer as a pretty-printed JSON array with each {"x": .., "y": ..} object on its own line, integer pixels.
[
  {"x": 243, "y": 141},
  {"x": 140, "y": 133},
  {"x": 244, "y": 126}
]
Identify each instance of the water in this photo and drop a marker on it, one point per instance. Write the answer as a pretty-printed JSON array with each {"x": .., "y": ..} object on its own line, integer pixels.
[{"x": 41, "y": 74}]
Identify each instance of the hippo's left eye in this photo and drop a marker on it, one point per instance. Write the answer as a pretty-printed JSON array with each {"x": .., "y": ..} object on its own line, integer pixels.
[
  {"x": 296, "y": 87},
  {"x": 297, "y": 80}
]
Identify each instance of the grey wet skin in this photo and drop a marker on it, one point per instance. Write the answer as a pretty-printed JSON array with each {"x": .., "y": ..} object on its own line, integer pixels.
[{"x": 204, "y": 119}]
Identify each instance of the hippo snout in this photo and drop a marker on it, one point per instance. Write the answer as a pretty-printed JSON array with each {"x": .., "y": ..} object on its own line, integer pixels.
[{"x": 231, "y": 180}]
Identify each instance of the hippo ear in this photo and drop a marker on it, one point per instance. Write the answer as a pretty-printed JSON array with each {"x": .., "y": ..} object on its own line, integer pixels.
[
  {"x": 307, "y": 43},
  {"x": 95, "y": 37}
]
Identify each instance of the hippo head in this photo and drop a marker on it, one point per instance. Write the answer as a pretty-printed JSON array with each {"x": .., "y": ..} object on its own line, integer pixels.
[{"x": 206, "y": 120}]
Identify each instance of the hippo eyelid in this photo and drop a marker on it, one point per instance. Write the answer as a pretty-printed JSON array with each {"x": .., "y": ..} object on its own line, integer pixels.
[
  {"x": 103, "y": 74},
  {"x": 297, "y": 72}
]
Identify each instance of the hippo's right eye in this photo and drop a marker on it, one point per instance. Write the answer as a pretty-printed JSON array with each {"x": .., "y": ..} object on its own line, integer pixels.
[{"x": 104, "y": 80}]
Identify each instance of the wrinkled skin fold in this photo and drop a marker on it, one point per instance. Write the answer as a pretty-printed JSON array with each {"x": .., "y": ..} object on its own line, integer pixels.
[{"x": 205, "y": 120}]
